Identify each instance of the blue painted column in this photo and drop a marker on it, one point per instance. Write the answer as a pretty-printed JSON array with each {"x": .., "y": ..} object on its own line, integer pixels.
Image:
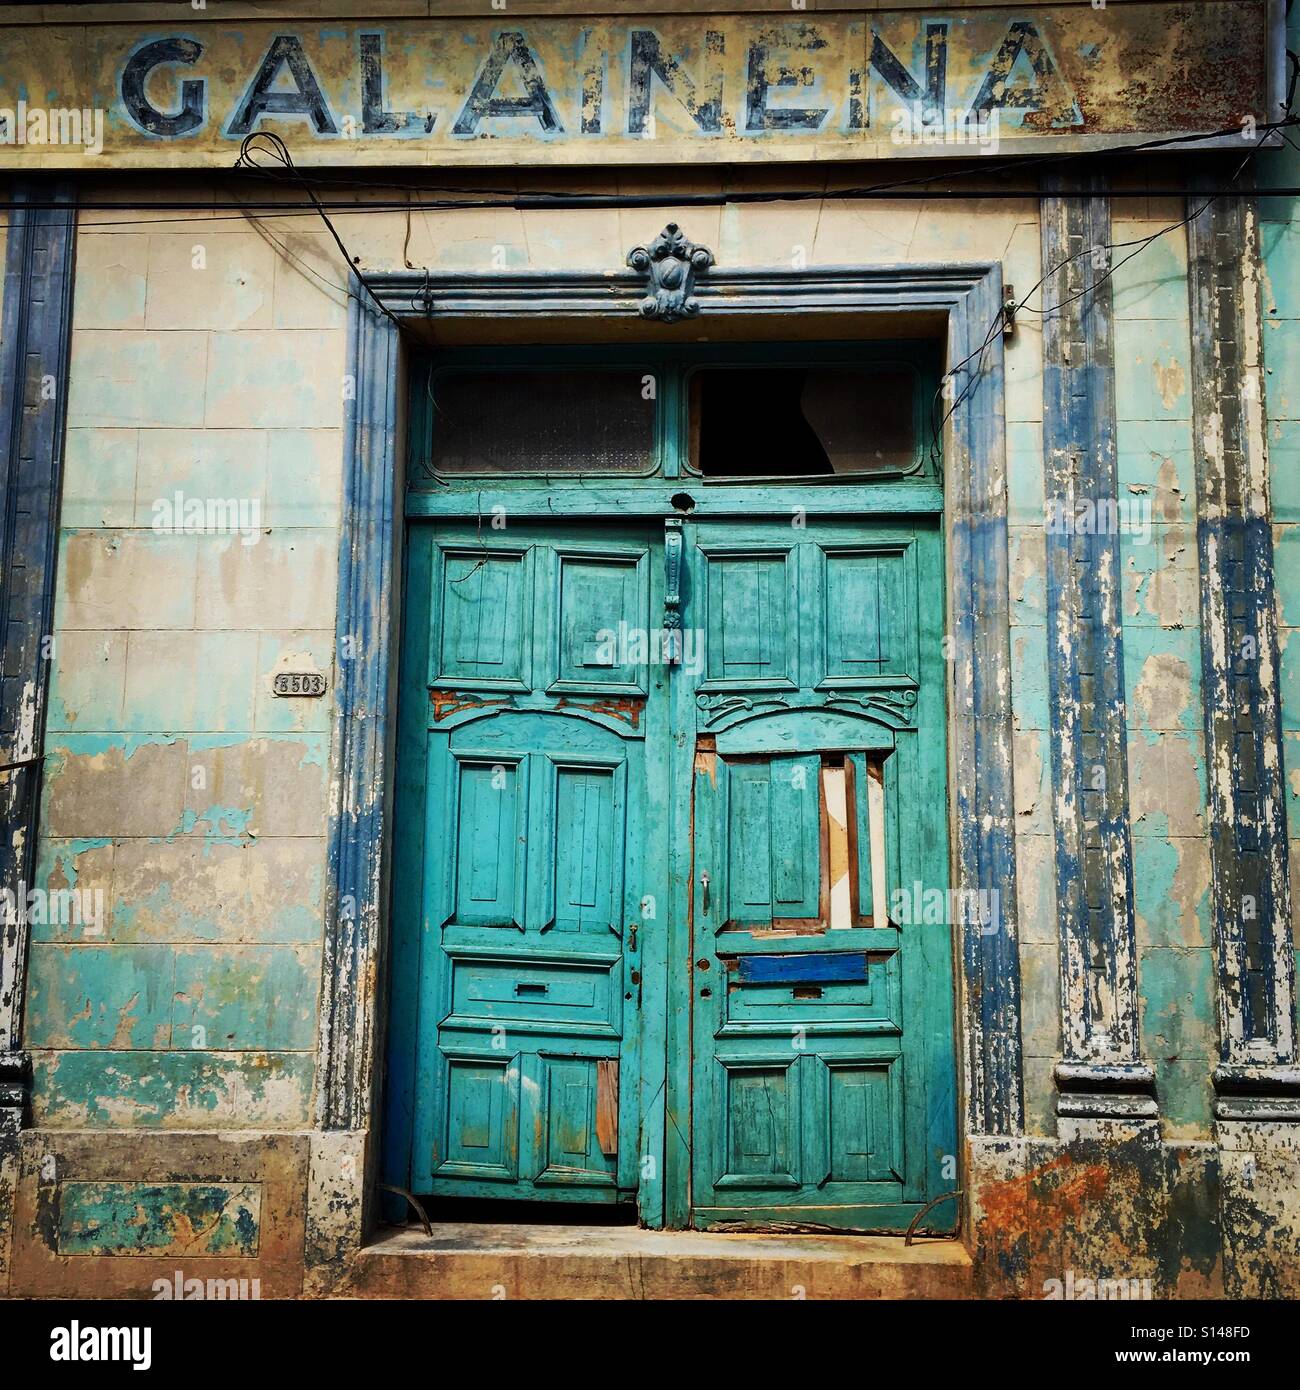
[
  {"x": 1258, "y": 1076},
  {"x": 34, "y": 343},
  {"x": 975, "y": 467},
  {"x": 365, "y": 627},
  {"x": 1101, "y": 1073}
]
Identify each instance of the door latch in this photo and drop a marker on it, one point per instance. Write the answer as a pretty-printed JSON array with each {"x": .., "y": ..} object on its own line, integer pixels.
[
  {"x": 672, "y": 634},
  {"x": 704, "y": 890}
]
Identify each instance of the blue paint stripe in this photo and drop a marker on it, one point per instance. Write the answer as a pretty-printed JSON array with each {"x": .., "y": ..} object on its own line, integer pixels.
[
  {"x": 807, "y": 968},
  {"x": 34, "y": 346}
]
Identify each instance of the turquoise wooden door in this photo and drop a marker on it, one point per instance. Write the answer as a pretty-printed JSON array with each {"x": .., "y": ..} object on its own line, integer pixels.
[
  {"x": 522, "y": 857},
  {"x": 662, "y": 920},
  {"x": 821, "y": 1004},
  {"x": 664, "y": 932}
]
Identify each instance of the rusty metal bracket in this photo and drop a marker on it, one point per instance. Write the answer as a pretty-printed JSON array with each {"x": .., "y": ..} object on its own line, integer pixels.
[
  {"x": 927, "y": 1209},
  {"x": 413, "y": 1200},
  {"x": 1009, "y": 307}
]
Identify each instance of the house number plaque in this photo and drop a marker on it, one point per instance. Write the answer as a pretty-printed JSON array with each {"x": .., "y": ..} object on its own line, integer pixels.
[{"x": 298, "y": 683}]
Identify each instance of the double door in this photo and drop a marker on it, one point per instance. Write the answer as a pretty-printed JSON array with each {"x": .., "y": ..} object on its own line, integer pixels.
[{"x": 670, "y": 796}]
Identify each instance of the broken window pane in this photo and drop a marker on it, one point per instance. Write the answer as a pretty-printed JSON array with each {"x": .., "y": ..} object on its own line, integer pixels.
[
  {"x": 875, "y": 808},
  {"x": 795, "y": 421},
  {"x": 807, "y": 849}
]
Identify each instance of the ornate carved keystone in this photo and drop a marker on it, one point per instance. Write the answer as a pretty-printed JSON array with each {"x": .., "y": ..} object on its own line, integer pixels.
[{"x": 670, "y": 263}]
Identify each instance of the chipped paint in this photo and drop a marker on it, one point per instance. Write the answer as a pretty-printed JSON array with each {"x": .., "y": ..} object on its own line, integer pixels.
[
  {"x": 34, "y": 341},
  {"x": 1256, "y": 994},
  {"x": 1102, "y": 1072},
  {"x": 1170, "y": 382},
  {"x": 241, "y": 866},
  {"x": 1163, "y": 693},
  {"x": 177, "y": 1220}
]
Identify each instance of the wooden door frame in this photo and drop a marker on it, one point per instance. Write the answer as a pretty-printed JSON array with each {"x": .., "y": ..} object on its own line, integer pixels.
[{"x": 965, "y": 298}]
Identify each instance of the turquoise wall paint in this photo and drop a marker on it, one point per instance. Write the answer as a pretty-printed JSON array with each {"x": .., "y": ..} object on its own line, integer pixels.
[{"x": 1160, "y": 610}]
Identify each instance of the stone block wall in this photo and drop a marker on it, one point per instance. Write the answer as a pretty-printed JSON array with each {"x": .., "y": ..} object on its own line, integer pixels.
[{"x": 197, "y": 557}]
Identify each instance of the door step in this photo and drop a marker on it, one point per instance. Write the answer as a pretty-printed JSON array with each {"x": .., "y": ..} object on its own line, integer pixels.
[{"x": 466, "y": 1260}]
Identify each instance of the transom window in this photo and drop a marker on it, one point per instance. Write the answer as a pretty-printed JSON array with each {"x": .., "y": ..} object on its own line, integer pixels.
[
  {"x": 736, "y": 413},
  {"x": 530, "y": 420}
]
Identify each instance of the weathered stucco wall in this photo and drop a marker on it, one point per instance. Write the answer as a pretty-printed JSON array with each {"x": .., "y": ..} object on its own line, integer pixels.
[
  {"x": 210, "y": 362},
  {"x": 1162, "y": 661},
  {"x": 207, "y": 364},
  {"x": 204, "y": 368}
]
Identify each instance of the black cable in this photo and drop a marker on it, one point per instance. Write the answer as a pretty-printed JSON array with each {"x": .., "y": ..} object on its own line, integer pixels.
[
  {"x": 513, "y": 199},
  {"x": 601, "y": 202},
  {"x": 289, "y": 255},
  {"x": 518, "y": 197},
  {"x": 279, "y": 151},
  {"x": 996, "y": 326}
]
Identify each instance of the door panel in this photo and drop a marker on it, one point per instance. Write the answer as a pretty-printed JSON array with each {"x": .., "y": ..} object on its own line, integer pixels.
[
  {"x": 532, "y": 727},
  {"x": 822, "y": 1027}
]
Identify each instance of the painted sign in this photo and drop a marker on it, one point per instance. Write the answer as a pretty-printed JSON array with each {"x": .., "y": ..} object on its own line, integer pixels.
[{"x": 703, "y": 88}]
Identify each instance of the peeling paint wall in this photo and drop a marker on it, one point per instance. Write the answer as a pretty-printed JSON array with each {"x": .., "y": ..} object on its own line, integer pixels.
[
  {"x": 1160, "y": 608},
  {"x": 1280, "y": 251},
  {"x": 208, "y": 365},
  {"x": 205, "y": 369},
  {"x": 209, "y": 362}
]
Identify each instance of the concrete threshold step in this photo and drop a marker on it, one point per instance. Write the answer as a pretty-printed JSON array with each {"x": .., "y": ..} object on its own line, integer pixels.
[{"x": 471, "y": 1261}]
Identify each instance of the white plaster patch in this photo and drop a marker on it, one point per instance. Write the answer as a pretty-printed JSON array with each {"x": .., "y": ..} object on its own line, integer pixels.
[{"x": 1164, "y": 690}]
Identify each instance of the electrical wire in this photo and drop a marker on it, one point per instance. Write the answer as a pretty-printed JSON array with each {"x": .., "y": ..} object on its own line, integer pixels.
[
  {"x": 547, "y": 201},
  {"x": 1141, "y": 244},
  {"x": 279, "y": 152},
  {"x": 212, "y": 210},
  {"x": 273, "y": 146}
]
